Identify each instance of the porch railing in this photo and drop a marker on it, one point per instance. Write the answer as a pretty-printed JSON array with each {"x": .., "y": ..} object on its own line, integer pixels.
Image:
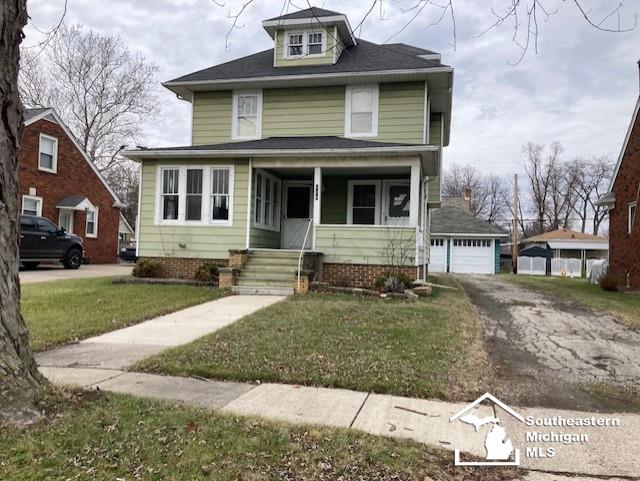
[{"x": 304, "y": 243}]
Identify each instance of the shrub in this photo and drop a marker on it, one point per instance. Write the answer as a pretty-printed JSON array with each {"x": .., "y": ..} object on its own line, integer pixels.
[
  {"x": 207, "y": 272},
  {"x": 147, "y": 268},
  {"x": 393, "y": 282},
  {"x": 607, "y": 281}
]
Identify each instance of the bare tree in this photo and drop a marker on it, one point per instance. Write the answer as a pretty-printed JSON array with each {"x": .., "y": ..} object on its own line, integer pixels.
[
  {"x": 101, "y": 90},
  {"x": 124, "y": 178},
  {"x": 21, "y": 384},
  {"x": 592, "y": 178},
  {"x": 488, "y": 192}
]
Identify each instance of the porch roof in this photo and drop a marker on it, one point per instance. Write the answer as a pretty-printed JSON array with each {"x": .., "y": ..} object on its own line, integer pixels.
[{"x": 284, "y": 146}]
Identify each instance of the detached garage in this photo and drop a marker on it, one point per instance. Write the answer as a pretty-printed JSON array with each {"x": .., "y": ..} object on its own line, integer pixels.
[{"x": 462, "y": 243}]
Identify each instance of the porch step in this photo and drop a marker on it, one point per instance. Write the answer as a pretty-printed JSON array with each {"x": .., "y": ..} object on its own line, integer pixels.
[
  {"x": 273, "y": 254},
  {"x": 268, "y": 269},
  {"x": 267, "y": 276},
  {"x": 275, "y": 261},
  {"x": 262, "y": 290},
  {"x": 243, "y": 281}
]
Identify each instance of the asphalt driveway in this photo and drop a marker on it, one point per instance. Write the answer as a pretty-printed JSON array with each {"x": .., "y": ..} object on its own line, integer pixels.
[
  {"x": 46, "y": 273},
  {"x": 553, "y": 352}
]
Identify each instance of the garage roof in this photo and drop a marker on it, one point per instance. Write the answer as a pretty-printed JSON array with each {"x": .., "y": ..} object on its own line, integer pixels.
[{"x": 453, "y": 220}]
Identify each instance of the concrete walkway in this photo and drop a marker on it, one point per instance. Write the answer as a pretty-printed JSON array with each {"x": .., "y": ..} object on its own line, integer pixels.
[
  {"x": 124, "y": 347},
  {"x": 609, "y": 451},
  {"x": 101, "y": 362}
]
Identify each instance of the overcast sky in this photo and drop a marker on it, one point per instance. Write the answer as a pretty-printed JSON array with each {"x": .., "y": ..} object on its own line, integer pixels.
[{"x": 579, "y": 89}]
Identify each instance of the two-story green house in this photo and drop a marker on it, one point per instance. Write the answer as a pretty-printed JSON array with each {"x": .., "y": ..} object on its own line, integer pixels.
[{"x": 324, "y": 143}]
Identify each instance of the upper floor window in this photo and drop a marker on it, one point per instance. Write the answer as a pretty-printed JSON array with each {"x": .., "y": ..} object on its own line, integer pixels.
[
  {"x": 48, "y": 154},
  {"x": 247, "y": 115},
  {"x": 186, "y": 192},
  {"x": 361, "y": 111},
  {"x": 307, "y": 44},
  {"x": 633, "y": 208},
  {"x": 31, "y": 205},
  {"x": 91, "y": 228}
]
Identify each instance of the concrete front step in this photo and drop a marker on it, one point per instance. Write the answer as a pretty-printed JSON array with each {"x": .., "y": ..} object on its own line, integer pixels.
[
  {"x": 280, "y": 254},
  {"x": 267, "y": 270},
  {"x": 265, "y": 282},
  {"x": 272, "y": 261},
  {"x": 262, "y": 290},
  {"x": 271, "y": 276}
]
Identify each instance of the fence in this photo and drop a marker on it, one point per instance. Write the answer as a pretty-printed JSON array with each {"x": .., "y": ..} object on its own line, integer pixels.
[
  {"x": 532, "y": 266},
  {"x": 566, "y": 267}
]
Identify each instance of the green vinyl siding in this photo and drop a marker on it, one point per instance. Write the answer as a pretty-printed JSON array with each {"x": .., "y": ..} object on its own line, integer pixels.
[
  {"x": 334, "y": 200},
  {"x": 281, "y": 42},
  {"x": 201, "y": 241},
  {"x": 401, "y": 112},
  {"x": 265, "y": 239},
  {"x": 433, "y": 193},
  {"x": 303, "y": 111},
  {"x": 212, "y": 117},
  {"x": 365, "y": 245},
  {"x": 435, "y": 129}
]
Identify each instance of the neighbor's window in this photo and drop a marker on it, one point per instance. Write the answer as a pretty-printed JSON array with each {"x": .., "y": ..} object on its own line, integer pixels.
[
  {"x": 363, "y": 203},
  {"x": 31, "y": 205},
  {"x": 361, "y": 111},
  {"x": 314, "y": 43},
  {"x": 295, "y": 44},
  {"x": 170, "y": 193},
  {"x": 437, "y": 242},
  {"x": 220, "y": 179},
  {"x": 633, "y": 208},
  {"x": 266, "y": 207},
  {"x": 194, "y": 195},
  {"x": 48, "y": 159},
  {"x": 247, "y": 112},
  {"x": 92, "y": 223}
]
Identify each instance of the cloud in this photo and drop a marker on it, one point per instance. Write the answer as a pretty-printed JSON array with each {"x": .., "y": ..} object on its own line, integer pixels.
[{"x": 580, "y": 88}]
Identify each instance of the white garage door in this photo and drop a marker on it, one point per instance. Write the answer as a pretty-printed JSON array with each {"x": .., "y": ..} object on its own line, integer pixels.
[
  {"x": 438, "y": 256},
  {"x": 472, "y": 256}
]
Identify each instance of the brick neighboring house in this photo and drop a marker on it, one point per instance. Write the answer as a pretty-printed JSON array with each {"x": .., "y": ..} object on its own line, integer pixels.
[
  {"x": 58, "y": 181},
  {"x": 622, "y": 202}
]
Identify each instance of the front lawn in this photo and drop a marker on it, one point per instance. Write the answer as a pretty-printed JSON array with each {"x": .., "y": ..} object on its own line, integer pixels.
[
  {"x": 60, "y": 312},
  {"x": 122, "y": 438},
  {"x": 430, "y": 348},
  {"x": 623, "y": 305}
]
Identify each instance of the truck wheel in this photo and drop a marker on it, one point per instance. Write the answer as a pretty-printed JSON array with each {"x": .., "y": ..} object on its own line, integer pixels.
[{"x": 73, "y": 258}]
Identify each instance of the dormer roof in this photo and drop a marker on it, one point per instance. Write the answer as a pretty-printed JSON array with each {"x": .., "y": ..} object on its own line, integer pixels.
[{"x": 313, "y": 17}]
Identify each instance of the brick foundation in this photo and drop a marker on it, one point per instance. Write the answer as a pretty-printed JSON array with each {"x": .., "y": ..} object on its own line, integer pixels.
[
  {"x": 360, "y": 275},
  {"x": 184, "y": 267}
]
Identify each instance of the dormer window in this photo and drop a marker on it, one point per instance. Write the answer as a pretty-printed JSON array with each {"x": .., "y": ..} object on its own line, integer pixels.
[
  {"x": 306, "y": 44},
  {"x": 295, "y": 44},
  {"x": 314, "y": 43}
]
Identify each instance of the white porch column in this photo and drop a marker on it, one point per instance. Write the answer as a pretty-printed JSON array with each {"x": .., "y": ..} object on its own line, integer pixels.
[
  {"x": 317, "y": 195},
  {"x": 414, "y": 195}
]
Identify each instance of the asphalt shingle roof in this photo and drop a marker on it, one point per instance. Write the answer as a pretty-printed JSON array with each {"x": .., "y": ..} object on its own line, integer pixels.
[
  {"x": 363, "y": 57},
  {"x": 453, "y": 220},
  {"x": 564, "y": 234},
  {"x": 293, "y": 143},
  {"x": 31, "y": 113},
  {"x": 71, "y": 201},
  {"x": 307, "y": 13}
]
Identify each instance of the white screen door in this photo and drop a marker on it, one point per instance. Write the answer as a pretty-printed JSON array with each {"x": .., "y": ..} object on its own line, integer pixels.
[{"x": 298, "y": 209}]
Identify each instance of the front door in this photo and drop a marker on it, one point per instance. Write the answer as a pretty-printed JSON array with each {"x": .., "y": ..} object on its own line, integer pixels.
[
  {"x": 298, "y": 209},
  {"x": 396, "y": 202}
]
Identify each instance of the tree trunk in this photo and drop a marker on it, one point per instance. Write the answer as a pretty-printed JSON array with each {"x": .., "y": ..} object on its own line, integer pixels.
[{"x": 21, "y": 385}]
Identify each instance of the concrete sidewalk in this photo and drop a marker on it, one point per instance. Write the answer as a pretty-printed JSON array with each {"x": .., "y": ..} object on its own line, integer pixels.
[
  {"x": 610, "y": 452},
  {"x": 124, "y": 347}
]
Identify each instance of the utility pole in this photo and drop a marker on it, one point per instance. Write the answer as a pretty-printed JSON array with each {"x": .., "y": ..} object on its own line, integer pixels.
[{"x": 514, "y": 230}]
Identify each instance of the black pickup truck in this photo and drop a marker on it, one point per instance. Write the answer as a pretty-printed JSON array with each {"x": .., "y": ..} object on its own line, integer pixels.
[{"x": 41, "y": 240}]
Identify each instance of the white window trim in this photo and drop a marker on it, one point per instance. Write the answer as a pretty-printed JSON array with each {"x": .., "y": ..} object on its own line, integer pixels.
[
  {"x": 205, "y": 220},
  {"x": 347, "y": 110},
  {"x": 234, "y": 113},
  {"x": 305, "y": 44},
  {"x": 351, "y": 184},
  {"x": 95, "y": 223},
  {"x": 209, "y": 208},
  {"x": 53, "y": 170},
  {"x": 631, "y": 220},
  {"x": 65, "y": 211},
  {"x": 37, "y": 199},
  {"x": 275, "y": 226}
]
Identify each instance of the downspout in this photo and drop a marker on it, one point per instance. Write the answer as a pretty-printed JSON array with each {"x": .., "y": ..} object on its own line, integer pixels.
[{"x": 425, "y": 226}]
